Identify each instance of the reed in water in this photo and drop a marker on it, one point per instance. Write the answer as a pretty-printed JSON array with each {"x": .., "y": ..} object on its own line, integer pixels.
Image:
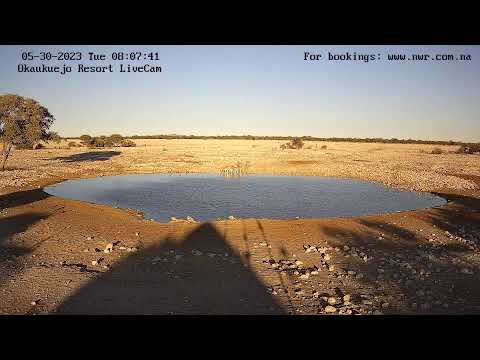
[{"x": 237, "y": 170}]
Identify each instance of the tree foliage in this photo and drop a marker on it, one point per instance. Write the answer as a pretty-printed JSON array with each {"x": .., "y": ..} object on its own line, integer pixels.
[{"x": 23, "y": 123}]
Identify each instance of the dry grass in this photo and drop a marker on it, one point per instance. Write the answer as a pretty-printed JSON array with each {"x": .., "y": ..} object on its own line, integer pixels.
[{"x": 400, "y": 165}]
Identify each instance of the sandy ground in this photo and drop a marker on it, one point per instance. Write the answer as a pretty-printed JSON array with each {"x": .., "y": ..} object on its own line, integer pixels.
[{"x": 52, "y": 258}]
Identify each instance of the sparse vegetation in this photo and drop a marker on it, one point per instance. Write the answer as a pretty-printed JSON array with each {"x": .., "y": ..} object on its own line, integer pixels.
[
  {"x": 469, "y": 149},
  {"x": 295, "y": 143},
  {"x": 116, "y": 139},
  {"x": 106, "y": 141},
  {"x": 304, "y": 138},
  {"x": 437, "y": 151},
  {"x": 23, "y": 124},
  {"x": 239, "y": 169},
  {"x": 53, "y": 136},
  {"x": 86, "y": 140},
  {"x": 128, "y": 143},
  {"x": 324, "y": 147}
]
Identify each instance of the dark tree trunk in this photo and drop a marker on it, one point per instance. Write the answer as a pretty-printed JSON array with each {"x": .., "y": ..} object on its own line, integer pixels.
[{"x": 5, "y": 152}]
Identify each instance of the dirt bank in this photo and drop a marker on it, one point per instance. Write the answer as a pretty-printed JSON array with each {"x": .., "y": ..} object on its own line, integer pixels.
[{"x": 52, "y": 260}]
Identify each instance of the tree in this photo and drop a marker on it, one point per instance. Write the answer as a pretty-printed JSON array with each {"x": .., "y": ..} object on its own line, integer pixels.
[
  {"x": 86, "y": 139},
  {"x": 128, "y": 143},
  {"x": 296, "y": 143},
  {"x": 116, "y": 139},
  {"x": 23, "y": 123}
]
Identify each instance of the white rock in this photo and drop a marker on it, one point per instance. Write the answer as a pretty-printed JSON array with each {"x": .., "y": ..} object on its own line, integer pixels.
[
  {"x": 108, "y": 248},
  {"x": 330, "y": 309},
  {"x": 332, "y": 300}
]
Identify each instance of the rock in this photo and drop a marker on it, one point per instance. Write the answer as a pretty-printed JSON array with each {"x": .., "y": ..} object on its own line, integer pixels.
[
  {"x": 122, "y": 248},
  {"x": 86, "y": 250},
  {"x": 331, "y": 267},
  {"x": 231, "y": 217},
  {"x": 326, "y": 257},
  {"x": 173, "y": 219},
  {"x": 359, "y": 276},
  {"x": 108, "y": 248},
  {"x": 89, "y": 237},
  {"x": 191, "y": 219},
  {"x": 178, "y": 257},
  {"x": 304, "y": 276},
  {"x": 197, "y": 252},
  {"x": 33, "y": 303},
  {"x": 314, "y": 272},
  {"x": 137, "y": 234},
  {"x": 94, "y": 262},
  {"x": 332, "y": 300},
  {"x": 298, "y": 262},
  {"x": 263, "y": 244},
  {"x": 346, "y": 298},
  {"x": 330, "y": 309}
]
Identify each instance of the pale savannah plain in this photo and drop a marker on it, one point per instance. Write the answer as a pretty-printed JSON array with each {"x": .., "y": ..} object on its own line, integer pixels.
[{"x": 63, "y": 256}]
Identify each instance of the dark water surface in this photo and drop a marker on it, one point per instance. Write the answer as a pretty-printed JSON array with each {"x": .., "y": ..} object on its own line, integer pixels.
[{"x": 209, "y": 197}]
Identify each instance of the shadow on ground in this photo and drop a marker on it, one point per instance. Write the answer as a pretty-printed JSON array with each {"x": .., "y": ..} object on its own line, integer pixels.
[
  {"x": 430, "y": 271},
  {"x": 20, "y": 198},
  {"x": 9, "y": 254},
  {"x": 89, "y": 156},
  {"x": 171, "y": 279}
]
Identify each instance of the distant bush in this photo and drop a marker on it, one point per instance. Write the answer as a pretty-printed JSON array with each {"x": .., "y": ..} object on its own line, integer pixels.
[
  {"x": 128, "y": 143},
  {"x": 86, "y": 140},
  {"x": 116, "y": 139},
  {"x": 295, "y": 143},
  {"x": 108, "y": 142},
  {"x": 324, "y": 147},
  {"x": 73, "y": 144},
  {"x": 98, "y": 142},
  {"x": 437, "y": 151},
  {"x": 469, "y": 149},
  {"x": 38, "y": 146}
]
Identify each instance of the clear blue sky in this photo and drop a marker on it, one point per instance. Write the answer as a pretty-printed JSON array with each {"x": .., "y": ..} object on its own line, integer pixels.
[{"x": 261, "y": 90}]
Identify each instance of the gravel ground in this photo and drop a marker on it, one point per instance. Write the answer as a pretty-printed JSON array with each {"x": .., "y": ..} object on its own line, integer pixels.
[
  {"x": 397, "y": 165},
  {"x": 60, "y": 256}
]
